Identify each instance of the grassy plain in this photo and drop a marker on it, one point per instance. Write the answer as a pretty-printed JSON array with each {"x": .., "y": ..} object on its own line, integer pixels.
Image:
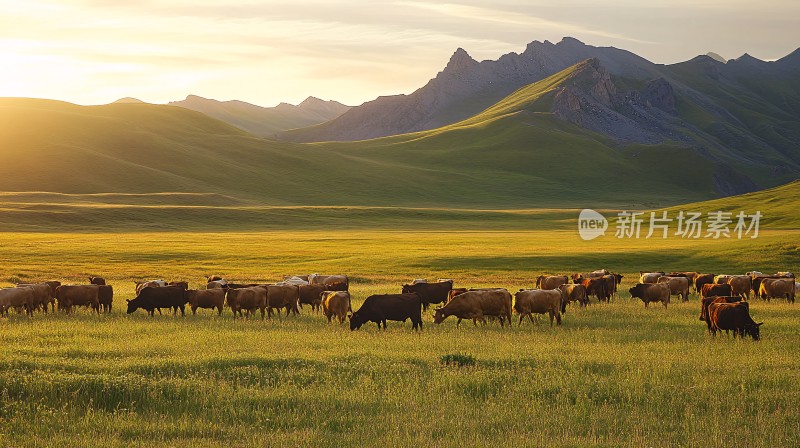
[{"x": 612, "y": 375}]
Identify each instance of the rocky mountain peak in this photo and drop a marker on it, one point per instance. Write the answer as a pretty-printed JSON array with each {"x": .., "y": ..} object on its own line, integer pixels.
[{"x": 460, "y": 61}]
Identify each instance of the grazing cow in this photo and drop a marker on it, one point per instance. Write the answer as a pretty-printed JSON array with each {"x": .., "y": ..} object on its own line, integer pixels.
[
  {"x": 650, "y": 277},
  {"x": 336, "y": 303},
  {"x": 573, "y": 293},
  {"x": 733, "y": 316},
  {"x": 649, "y": 292},
  {"x": 778, "y": 288},
  {"x": 382, "y": 307},
  {"x": 539, "y": 301},
  {"x": 78, "y": 295},
  {"x": 247, "y": 299},
  {"x": 551, "y": 281},
  {"x": 597, "y": 287},
  {"x": 206, "y": 298},
  {"x": 722, "y": 279},
  {"x": 578, "y": 277},
  {"x": 179, "y": 284},
  {"x": 105, "y": 297},
  {"x": 310, "y": 295},
  {"x": 701, "y": 280},
  {"x": 99, "y": 281},
  {"x": 149, "y": 299},
  {"x": 430, "y": 292},
  {"x": 785, "y": 274},
  {"x": 41, "y": 295},
  {"x": 678, "y": 286},
  {"x": 476, "y": 305},
  {"x": 741, "y": 285},
  {"x": 704, "y": 303},
  {"x": 21, "y": 299},
  {"x": 296, "y": 280},
  {"x": 712, "y": 290},
  {"x": 338, "y": 282},
  {"x": 282, "y": 296}
]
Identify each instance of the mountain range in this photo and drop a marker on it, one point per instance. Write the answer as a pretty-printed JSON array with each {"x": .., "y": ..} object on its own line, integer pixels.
[
  {"x": 559, "y": 125},
  {"x": 266, "y": 121}
]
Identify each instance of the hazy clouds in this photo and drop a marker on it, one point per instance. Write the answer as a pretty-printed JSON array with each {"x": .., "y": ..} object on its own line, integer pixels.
[{"x": 264, "y": 52}]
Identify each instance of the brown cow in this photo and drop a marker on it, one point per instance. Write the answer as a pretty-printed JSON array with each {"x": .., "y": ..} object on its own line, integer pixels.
[
  {"x": 741, "y": 285},
  {"x": 476, "y": 305},
  {"x": 41, "y": 295},
  {"x": 733, "y": 316},
  {"x": 78, "y": 295},
  {"x": 539, "y": 301},
  {"x": 757, "y": 279},
  {"x": 310, "y": 295},
  {"x": 678, "y": 286},
  {"x": 650, "y": 292},
  {"x": 282, "y": 296},
  {"x": 551, "y": 281},
  {"x": 247, "y": 299},
  {"x": 778, "y": 288},
  {"x": 704, "y": 303},
  {"x": 713, "y": 290},
  {"x": 336, "y": 303},
  {"x": 573, "y": 293},
  {"x": 21, "y": 299},
  {"x": 206, "y": 298}
]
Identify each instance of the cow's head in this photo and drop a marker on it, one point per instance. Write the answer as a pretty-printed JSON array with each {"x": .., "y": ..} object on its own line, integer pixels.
[
  {"x": 438, "y": 315},
  {"x": 407, "y": 289},
  {"x": 356, "y": 321},
  {"x": 635, "y": 290},
  {"x": 753, "y": 330},
  {"x": 131, "y": 306}
]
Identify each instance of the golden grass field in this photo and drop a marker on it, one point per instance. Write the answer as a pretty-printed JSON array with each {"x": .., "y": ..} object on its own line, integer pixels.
[{"x": 613, "y": 375}]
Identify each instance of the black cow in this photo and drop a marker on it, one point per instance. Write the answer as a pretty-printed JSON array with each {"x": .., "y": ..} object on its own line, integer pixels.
[
  {"x": 165, "y": 297},
  {"x": 430, "y": 292},
  {"x": 382, "y": 307}
]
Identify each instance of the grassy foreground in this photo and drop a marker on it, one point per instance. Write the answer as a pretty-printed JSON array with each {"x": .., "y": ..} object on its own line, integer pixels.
[{"x": 613, "y": 375}]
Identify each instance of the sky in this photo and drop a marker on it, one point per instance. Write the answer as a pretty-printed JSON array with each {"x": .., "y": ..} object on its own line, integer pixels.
[{"x": 267, "y": 52}]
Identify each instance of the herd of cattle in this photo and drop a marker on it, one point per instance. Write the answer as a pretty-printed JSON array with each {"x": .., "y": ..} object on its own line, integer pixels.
[{"x": 724, "y": 298}]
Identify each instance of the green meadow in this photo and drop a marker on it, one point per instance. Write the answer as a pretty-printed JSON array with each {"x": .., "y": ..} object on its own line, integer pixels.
[{"x": 613, "y": 375}]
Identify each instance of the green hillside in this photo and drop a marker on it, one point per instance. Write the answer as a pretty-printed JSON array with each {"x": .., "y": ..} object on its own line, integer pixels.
[
  {"x": 778, "y": 206},
  {"x": 514, "y": 155}
]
